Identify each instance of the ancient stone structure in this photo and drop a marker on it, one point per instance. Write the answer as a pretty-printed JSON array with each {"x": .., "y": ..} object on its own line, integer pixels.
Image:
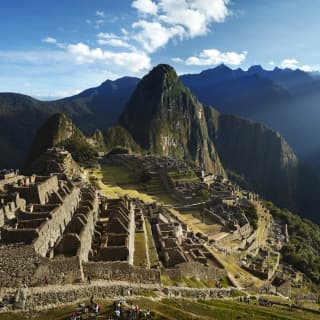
[
  {"x": 114, "y": 237},
  {"x": 263, "y": 265},
  {"x": 47, "y": 225}
]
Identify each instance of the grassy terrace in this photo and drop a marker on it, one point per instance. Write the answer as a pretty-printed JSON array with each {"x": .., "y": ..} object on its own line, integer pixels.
[
  {"x": 204, "y": 224},
  {"x": 153, "y": 255},
  {"x": 106, "y": 180},
  {"x": 115, "y": 181},
  {"x": 140, "y": 255},
  {"x": 183, "y": 309},
  {"x": 193, "y": 282}
]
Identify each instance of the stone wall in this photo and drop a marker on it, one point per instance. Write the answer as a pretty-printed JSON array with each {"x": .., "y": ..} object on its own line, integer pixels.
[
  {"x": 86, "y": 234},
  {"x": 21, "y": 264},
  {"x": 196, "y": 270},
  {"x": 53, "y": 297},
  {"x": 132, "y": 228},
  {"x": 54, "y": 227},
  {"x": 46, "y": 187},
  {"x": 121, "y": 271}
]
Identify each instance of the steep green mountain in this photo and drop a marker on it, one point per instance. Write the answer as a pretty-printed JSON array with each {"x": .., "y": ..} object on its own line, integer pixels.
[
  {"x": 163, "y": 117},
  {"x": 21, "y": 116},
  {"x": 256, "y": 153},
  {"x": 59, "y": 130},
  {"x": 119, "y": 138}
]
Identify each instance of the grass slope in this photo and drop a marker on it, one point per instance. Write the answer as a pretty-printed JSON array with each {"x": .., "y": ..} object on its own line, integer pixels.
[{"x": 183, "y": 309}]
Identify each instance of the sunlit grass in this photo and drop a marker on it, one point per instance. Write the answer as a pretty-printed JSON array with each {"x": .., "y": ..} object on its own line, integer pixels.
[{"x": 140, "y": 256}]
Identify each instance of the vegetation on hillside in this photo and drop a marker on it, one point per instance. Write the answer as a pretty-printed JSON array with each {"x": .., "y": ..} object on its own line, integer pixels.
[
  {"x": 303, "y": 249},
  {"x": 79, "y": 148},
  {"x": 57, "y": 131},
  {"x": 252, "y": 215}
]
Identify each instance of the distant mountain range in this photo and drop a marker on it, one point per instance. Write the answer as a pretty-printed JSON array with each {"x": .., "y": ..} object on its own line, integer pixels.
[
  {"x": 21, "y": 115},
  {"x": 163, "y": 117},
  {"x": 286, "y": 100}
]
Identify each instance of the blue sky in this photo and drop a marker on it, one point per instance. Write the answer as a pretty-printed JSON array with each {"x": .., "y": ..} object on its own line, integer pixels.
[{"x": 56, "y": 48}]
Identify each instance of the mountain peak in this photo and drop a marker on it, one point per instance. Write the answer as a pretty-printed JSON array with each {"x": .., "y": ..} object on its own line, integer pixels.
[
  {"x": 164, "y": 68},
  {"x": 160, "y": 74},
  {"x": 256, "y": 69},
  {"x": 223, "y": 67},
  {"x": 164, "y": 118}
]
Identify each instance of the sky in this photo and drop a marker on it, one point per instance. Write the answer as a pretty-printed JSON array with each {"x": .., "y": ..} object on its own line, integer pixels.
[{"x": 57, "y": 48}]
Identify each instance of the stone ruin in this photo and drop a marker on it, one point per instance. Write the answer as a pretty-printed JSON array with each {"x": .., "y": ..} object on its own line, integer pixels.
[
  {"x": 56, "y": 230},
  {"x": 232, "y": 218},
  {"x": 263, "y": 264},
  {"x": 114, "y": 233}
]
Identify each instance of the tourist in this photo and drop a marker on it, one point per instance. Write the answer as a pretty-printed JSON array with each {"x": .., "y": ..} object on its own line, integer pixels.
[
  {"x": 118, "y": 315},
  {"x": 89, "y": 279},
  {"x": 137, "y": 312},
  {"x": 45, "y": 280},
  {"x": 96, "y": 308},
  {"x": 91, "y": 301},
  {"x": 147, "y": 314}
]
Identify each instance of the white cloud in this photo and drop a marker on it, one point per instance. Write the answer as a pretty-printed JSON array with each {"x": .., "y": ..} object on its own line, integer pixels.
[
  {"x": 49, "y": 40},
  {"x": 145, "y": 6},
  {"x": 153, "y": 35},
  {"x": 307, "y": 68},
  {"x": 100, "y": 13},
  {"x": 134, "y": 61},
  {"x": 106, "y": 35},
  {"x": 178, "y": 60},
  {"x": 176, "y": 18},
  {"x": 195, "y": 16},
  {"x": 114, "y": 43},
  {"x": 289, "y": 64},
  {"x": 112, "y": 40},
  {"x": 124, "y": 31},
  {"x": 54, "y": 41},
  {"x": 209, "y": 57}
]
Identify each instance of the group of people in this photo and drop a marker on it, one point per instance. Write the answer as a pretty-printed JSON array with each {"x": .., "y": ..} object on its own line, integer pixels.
[
  {"x": 93, "y": 308},
  {"x": 121, "y": 311},
  {"x": 244, "y": 299},
  {"x": 261, "y": 301},
  {"x": 133, "y": 312}
]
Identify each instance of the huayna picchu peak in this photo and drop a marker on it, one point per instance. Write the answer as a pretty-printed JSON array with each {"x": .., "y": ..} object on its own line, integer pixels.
[{"x": 164, "y": 118}]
